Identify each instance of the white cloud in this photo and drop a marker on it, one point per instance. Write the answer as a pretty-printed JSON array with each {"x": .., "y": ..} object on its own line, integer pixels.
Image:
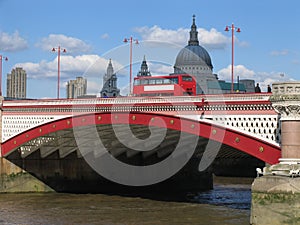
[
  {"x": 266, "y": 79},
  {"x": 241, "y": 43},
  {"x": 93, "y": 87},
  {"x": 239, "y": 70},
  {"x": 158, "y": 34},
  {"x": 263, "y": 78},
  {"x": 160, "y": 69},
  {"x": 71, "y": 44},
  {"x": 279, "y": 53},
  {"x": 296, "y": 62},
  {"x": 124, "y": 90},
  {"x": 105, "y": 36},
  {"x": 70, "y": 66},
  {"x": 12, "y": 42},
  {"x": 211, "y": 39}
]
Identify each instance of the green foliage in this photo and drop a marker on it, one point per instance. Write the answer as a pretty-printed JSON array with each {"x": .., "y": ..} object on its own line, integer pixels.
[{"x": 269, "y": 198}]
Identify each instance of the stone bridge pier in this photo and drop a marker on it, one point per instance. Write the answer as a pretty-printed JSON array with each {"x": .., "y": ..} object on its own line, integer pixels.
[
  {"x": 12, "y": 177},
  {"x": 276, "y": 190}
]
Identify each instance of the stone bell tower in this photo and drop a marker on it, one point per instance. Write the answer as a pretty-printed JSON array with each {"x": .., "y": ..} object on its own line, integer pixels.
[{"x": 110, "y": 88}]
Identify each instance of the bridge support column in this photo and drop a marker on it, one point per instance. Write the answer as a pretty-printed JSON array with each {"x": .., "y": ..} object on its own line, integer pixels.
[
  {"x": 12, "y": 177},
  {"x": 276, "y": 194}
]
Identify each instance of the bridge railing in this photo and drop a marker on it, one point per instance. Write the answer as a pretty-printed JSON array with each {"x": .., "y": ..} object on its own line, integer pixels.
[{"x": 132, "y": 100}]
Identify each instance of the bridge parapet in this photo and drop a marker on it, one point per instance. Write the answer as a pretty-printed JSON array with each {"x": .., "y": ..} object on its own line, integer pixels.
[
  {"x": 132, "y": 100},
  {"x": 286, "y": 99},
  {"x": 251, "y": 113}
]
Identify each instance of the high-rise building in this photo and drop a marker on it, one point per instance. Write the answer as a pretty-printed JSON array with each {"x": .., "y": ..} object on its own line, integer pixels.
[
  {"x": 76, "y": 88},
  {"x": 16, "y": 83}
]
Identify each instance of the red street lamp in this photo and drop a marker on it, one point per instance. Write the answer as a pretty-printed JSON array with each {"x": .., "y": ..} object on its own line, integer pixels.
[
  {"x": 233, "y": 28},
  {"x": 5, "y": 58},
  {"x": 130, "y": 40},
  {"x": 58, "y": 66}
]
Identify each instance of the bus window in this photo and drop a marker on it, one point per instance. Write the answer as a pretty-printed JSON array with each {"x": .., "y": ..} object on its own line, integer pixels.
[
  {"x": 136, "y": 82},
  {"x": 151, "y": 81},
  {"x": 174, "y": 80},
  {"x": 166, "y": 81},
  {"x": 187, "y": 78},
  {"x": 159, "y": 81},
  {"x": 144, "y": 81}
]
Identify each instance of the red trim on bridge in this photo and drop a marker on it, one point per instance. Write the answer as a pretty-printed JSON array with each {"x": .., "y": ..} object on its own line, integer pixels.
[{"x": 245, "y": 143}]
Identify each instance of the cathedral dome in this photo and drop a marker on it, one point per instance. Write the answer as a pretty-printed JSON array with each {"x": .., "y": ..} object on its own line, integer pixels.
[{"x": 193, "y": 55}]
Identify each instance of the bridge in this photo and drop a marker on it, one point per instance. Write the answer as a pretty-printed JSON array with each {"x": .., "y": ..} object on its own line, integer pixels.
[{"x": 54, "y": 138}]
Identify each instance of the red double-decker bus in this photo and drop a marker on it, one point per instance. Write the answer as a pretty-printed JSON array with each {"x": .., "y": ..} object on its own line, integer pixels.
[{"x": 169, "y": 85}]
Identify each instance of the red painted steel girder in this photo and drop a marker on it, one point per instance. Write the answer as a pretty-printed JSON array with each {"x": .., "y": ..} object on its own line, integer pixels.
[{"x": 258, "y": 148}]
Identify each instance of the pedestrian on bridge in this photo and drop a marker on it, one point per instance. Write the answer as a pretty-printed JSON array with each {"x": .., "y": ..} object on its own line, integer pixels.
[{"x": 257, "y": 88}]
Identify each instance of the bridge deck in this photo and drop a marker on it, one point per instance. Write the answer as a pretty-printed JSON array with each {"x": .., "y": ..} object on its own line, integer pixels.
[{"x": 249, "y": 115}]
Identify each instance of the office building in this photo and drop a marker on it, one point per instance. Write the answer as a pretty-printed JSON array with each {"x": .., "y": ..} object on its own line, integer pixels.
[
  {"x": 76, "y": 88},
  {"x": 16, "y": 83}
]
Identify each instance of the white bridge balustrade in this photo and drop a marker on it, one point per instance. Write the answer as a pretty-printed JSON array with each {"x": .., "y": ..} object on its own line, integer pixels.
[{"x": 249, "y": 113}]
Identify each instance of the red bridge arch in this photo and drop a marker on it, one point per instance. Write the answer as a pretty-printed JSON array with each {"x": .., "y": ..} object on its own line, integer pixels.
[{"x": 253, "y": 146}]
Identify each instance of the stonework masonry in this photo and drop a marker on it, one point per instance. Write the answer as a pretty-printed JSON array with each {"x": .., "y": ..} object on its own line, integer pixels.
[
  {"x": 276, "y": 195},
  {"x": 13, "y": 178},
  {"x": 275, "y": 200},
  {"x": 286, "y": 101}
]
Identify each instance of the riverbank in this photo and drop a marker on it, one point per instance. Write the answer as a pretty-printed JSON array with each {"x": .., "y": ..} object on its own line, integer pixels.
[
  {"x": 15, "y": 180},
  {"x": 275, "y": 200},
  {"x": 21, "y": 182}
]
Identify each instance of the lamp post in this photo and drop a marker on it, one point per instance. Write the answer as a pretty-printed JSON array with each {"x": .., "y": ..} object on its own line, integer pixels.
[
  {"x": 233, "y": 28},
  {"x": 58, "y": 66},
  {"x": 5, "y": 58},
  {"x": 130, "y": 40}
]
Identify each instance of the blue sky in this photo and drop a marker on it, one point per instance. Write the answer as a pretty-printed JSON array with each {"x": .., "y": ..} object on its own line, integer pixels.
[{"x": 267, "y": 49}]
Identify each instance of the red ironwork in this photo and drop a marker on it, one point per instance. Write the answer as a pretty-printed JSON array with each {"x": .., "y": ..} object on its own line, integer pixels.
[{"x": 260, "y": 149}]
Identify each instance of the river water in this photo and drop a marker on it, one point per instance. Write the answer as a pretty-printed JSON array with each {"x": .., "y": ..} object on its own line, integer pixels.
[{"x": 229, "y": 203}]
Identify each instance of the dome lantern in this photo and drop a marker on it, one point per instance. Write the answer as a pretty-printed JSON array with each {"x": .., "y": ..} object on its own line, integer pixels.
[{"x": 193, "y": 34}]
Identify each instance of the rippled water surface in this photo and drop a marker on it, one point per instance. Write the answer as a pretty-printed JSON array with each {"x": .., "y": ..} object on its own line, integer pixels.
[{"x": 228, "y": 203}]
